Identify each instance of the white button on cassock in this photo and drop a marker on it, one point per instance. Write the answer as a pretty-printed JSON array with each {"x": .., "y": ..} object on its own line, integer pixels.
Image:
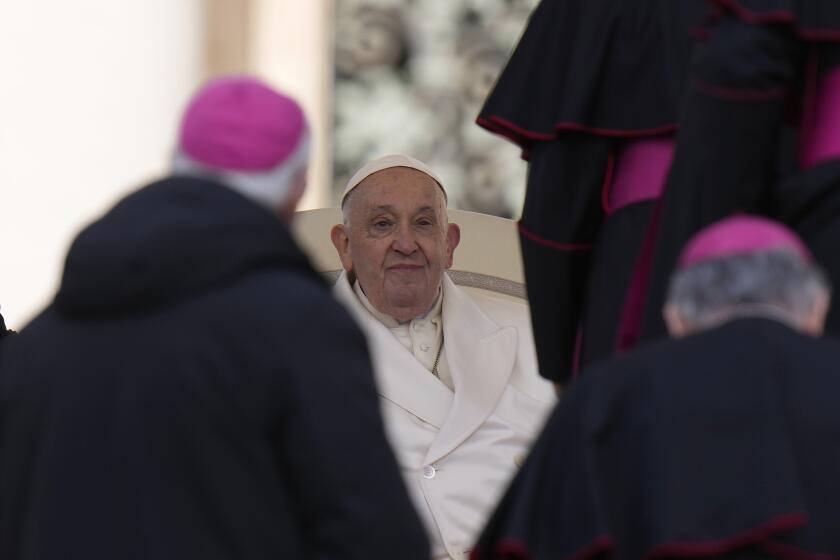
[{"x": 429, "y": 471}]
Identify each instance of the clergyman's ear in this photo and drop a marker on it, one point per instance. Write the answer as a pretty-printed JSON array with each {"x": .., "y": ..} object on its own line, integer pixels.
[
  {"x": 677, "y": 327},
  {"x": 813, "y": 322},
  {"x": 341, "y": 242}
]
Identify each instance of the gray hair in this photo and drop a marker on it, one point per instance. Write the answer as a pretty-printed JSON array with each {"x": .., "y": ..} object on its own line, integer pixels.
[
  {"x": 775, "y": 283},
  {"x": 271, "y": 188}
]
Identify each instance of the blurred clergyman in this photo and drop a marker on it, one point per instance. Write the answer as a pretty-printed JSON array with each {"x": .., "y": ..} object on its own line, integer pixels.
[
  {"x": 723, "y": 442},
  {"x": 461, "y": 394},
  {"x": 194, "y": 391}
]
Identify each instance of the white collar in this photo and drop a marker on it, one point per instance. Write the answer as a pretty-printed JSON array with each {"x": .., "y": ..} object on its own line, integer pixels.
[{"x": 433, "y": 315}]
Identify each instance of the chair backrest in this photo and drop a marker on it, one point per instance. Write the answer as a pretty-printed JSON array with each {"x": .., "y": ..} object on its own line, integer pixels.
[{"x": 488, "y": 258}]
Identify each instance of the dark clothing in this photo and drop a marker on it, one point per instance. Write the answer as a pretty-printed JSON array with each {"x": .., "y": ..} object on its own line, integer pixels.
[
  {"x": 729, "y": 142},
  {"x": 812, "y": 20},
  {"x": 194, "y": 392},
  {"x": 612, "y": 270},
  {"x": 810, "y": 203},
  {"x": 577, "y": 287},
  {"x": 604, "y": 67},
  {"x": 586, "y": 75},
  {"x": 747, "y": 83},
  {"x": 3, "y": 330},
  {"x": 559, "y": 225},
  {"x": 724, "y": 444}
]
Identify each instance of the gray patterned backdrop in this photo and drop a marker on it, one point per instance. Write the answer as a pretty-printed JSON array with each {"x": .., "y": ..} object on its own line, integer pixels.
[{"x": 411, "y": 76}]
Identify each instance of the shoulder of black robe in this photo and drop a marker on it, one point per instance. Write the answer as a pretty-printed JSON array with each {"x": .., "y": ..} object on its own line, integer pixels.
[
  {"x": 695, "y": 447},
  {"x": 596, "y": 66}
]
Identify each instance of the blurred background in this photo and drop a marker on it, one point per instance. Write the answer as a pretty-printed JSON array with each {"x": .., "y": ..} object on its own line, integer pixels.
[{"x": 92, "y": 90}]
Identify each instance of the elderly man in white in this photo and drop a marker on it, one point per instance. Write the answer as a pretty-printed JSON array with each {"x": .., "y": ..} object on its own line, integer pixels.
[{"x": 456, "y": 371}]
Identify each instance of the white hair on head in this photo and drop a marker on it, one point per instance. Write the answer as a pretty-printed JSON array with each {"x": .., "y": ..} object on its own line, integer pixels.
[
  {"x": 775, "y": 282},
  {"x": 270, "y": 188}
]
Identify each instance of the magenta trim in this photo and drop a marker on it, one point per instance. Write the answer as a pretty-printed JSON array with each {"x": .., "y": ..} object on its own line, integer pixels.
[
  {"x": 758, "y": 536},
  {"x": 518, "y": 550},
  {"x": 822, "y": 141},
  {"x": 734, "y": 94},
  {"x": 755, "y": 535},
  {"x": 606, "y": 185},
  {"x": 781, "y": 16},
  {"x": 511, "y": 131},
  {"x": 787, "y": 552},
  {"x": 614, "y": 133},
  {"x": 600, "y": 544},
  {"x": 699, "y": 34},
  {"x": 809, "y": 105},
  {"x": 640, "y": 172},
  {"x": 635, "y": 298},
  {"x": 536, "y": 238},
  {"x": 820, "y": 36},
  {"x": 513, "y": 548},
  {"x": 522, "y": 136}
]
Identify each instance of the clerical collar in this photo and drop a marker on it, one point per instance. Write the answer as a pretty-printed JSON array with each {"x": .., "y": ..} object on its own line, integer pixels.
[{"x": 390, "y": 322}]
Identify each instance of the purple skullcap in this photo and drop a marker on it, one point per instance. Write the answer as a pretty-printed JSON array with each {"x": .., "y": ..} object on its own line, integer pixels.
[
  {"x": 741, "y": 234},
  {"x": 240, "y": 123}
]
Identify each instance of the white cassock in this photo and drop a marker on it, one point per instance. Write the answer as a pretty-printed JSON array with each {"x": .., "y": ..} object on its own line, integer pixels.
[{"x": 458, "y": 449}]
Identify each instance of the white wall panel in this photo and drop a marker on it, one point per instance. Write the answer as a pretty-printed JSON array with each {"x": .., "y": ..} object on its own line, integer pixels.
[{"x": 90, "y": 93}]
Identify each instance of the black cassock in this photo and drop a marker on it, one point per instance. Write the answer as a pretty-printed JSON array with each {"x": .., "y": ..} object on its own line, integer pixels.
[
  {"x": 724, "y": 444},
  {"x": 590, "y": 76},
  {"x": 587, "y": 77},
  {"x": 746, "y": 113}
]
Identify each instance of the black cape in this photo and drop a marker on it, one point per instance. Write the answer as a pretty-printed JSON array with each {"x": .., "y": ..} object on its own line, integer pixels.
[
  {"x": 586, "y": 75},
  {"x": 194, "y": 392},
  {"x": 723, "y": 444},
  {"x": 607, "y": 68}
]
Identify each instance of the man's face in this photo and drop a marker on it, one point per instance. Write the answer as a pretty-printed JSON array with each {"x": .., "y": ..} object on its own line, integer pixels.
[{"x": 397, "y": 240}]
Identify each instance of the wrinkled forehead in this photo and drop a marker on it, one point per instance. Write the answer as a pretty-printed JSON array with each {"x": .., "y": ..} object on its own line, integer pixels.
[
  {"x": 399, "y": 188},
  {"x": 388, "y": 162}
]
